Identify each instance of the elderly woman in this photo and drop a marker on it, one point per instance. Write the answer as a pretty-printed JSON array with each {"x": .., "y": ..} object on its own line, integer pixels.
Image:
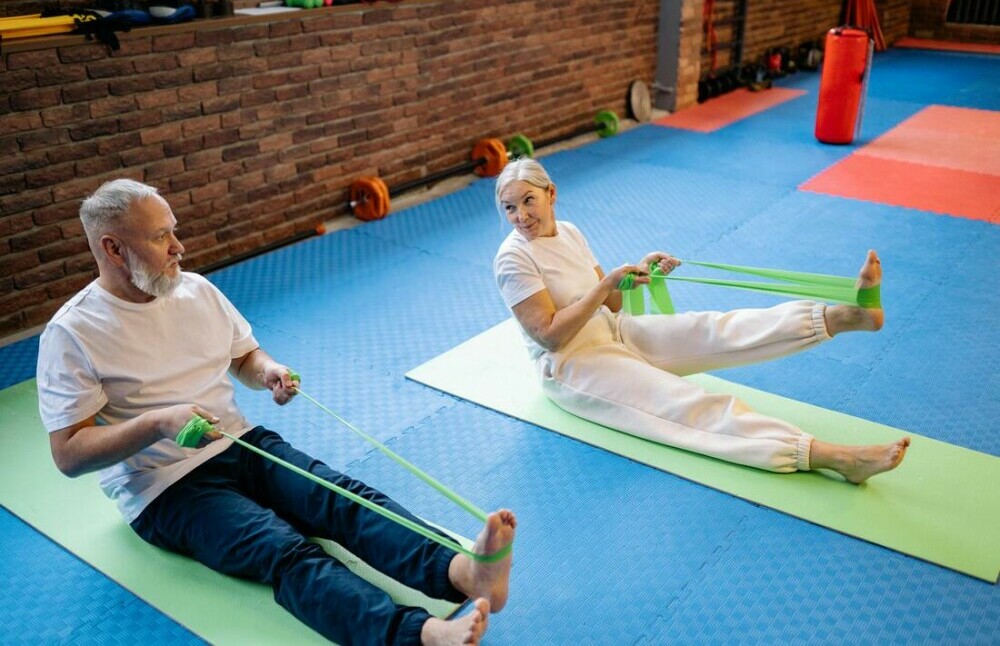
[{"x": 626, "y": 372}]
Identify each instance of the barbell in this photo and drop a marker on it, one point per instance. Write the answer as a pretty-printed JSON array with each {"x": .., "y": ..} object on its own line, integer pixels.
[{"x": 371, "y": 197}]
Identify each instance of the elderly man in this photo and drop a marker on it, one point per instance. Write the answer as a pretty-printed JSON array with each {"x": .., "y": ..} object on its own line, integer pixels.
[{"x": 137, "y": 353}]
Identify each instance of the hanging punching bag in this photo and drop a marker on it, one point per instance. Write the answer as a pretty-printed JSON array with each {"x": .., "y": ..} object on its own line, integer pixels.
[{"x": 842, "y": 86}]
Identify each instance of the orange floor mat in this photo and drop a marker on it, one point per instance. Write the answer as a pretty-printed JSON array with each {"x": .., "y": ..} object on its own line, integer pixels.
[
  {"x": 947, "y": 45},
  {"x": 937, "y": 189},
  {"x": 728, "y": 108},
  {"x": 957, "y": 138}
]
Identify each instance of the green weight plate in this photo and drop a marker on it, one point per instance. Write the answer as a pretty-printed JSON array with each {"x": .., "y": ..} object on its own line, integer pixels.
[
  {"x": 606, "y": 122},
  {"x": 520, "y": 146}
]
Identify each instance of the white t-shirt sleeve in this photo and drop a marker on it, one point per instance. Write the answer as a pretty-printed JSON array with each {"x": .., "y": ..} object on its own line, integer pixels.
[
  {"x": 517, "y": 276},
  {"x": 581, "y": 242},
  {"x": 69, "y": 391},
  {"x": 243, "y": 338}
]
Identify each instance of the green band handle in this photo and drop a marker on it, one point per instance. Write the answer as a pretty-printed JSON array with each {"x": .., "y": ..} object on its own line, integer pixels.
[
  {"x": 191, "y": 434},
  {"x": 824, "y": 287},
  {"x": 197, "y": 426}
]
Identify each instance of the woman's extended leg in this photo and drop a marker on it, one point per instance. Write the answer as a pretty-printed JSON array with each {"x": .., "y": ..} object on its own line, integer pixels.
[
  {"x": 693, "y": 342},
  {"x": 610, "y": 385}
]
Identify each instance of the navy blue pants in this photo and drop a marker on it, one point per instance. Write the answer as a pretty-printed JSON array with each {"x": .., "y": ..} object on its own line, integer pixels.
[{"x": 243, "y": 515}]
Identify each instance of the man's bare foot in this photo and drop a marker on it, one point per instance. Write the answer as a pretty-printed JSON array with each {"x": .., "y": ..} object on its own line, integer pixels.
[
  {"x": 851, "y": 318},
  {"x": 858, "y": 463},
  {"x": 490, "y": 580},
  {"x": 457, "y": 632}
]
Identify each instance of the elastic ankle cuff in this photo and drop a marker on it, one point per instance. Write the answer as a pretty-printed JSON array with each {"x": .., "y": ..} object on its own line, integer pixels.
[
  {"x": 440, "y": 581},
  {"x": 802, "y": 450},
  {"x": 410, "y": 627},
  {"x": 819, "y": 322}
]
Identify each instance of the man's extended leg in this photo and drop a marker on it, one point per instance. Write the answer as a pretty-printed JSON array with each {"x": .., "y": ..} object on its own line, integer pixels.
[
  {"x": 384, "y": 544},
  {"x": 206, "y": 517}
]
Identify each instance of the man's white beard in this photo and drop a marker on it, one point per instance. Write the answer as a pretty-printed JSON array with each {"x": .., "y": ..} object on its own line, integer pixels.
[{"x": 146, "y": 279}]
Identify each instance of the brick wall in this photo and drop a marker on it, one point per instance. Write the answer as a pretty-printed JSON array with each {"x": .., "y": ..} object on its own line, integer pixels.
[
  {"x": 689, "y": 62},
  {"x": 928, "y": 21},
  {"x": 789, "y": 23},
  {"x": 894, "y": 17},
  {"x": 928, "y": 18},
  {"x": 253, "y": 132}
]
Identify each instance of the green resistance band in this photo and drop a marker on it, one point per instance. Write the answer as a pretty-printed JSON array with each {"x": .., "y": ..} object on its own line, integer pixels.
[
  {"x": 823, "y": 287},
  {"x": 197, "y": 426}
]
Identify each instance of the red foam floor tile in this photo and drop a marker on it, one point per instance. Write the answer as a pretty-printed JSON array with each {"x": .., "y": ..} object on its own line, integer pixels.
[
  {"x": 728, "y": 108},
  {"x": 918, "y": 186},
  {"x": 968, "y": 122},
  {"x": 957, "y": 138},
  {"x": 947, "y": 45}
]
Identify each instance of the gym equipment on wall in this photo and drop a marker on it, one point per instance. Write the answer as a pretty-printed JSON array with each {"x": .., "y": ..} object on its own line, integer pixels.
[
  {"x": 810, "y": 55},
  {"x": 715, "y": 81},
  {"x": 863, "y": 15},
  {"x": 974, "y": 12}
]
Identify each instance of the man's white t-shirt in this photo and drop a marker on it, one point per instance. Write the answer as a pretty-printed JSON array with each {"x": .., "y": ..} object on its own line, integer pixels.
[
  {"x": 103, "y": 356},
  {"x": 562, "y": 264}
]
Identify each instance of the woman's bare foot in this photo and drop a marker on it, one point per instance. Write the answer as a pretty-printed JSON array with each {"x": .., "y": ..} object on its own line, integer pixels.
[
  {"x": 857, "y": 463},
  {"x": 457, "y": 632},
  {"x": 490, "y": 580},
  {"x": 851, "y": 318}
]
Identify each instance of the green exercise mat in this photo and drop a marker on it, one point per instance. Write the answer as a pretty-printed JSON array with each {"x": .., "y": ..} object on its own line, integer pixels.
[
  {"x": 75, "y": 514},
  {"x": 940, "y": 505}
]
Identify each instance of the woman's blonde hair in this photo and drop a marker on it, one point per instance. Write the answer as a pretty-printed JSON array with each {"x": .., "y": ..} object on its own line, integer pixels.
[{"x": 524, "y": 169}]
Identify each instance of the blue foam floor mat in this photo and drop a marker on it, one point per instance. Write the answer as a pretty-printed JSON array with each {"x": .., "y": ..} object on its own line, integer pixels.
[
  {"x": 48, "y": 596},
  {"x": 742, "y": 158},
  {"x": 623, "y": 566},
  {"x": 19, "y": 361},
  {"x": 610, "y": 552}
]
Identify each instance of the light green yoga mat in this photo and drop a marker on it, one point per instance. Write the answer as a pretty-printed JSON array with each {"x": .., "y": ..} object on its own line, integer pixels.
[
  {"x": 940, "y": 505},
  {"x": 77, "y": 515}
]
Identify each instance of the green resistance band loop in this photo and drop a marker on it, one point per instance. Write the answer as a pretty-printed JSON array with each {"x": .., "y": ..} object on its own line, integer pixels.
[
  {"x": 824, "y": 287},
  {"x": 364, "y": 502},
  {"x": 870, "y": 297},
  {"x": 191, "y": 434},
  {"x": 197, "y": 426},
  {"x": 412, "y": 468},
  {"x": 634, "y": 301}
]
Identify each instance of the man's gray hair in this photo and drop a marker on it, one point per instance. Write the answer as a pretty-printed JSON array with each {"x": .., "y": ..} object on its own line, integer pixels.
[{"x": 105, "y": 208}]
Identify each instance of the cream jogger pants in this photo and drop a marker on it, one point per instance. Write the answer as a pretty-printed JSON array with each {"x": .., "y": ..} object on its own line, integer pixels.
[{"x": 625, "y": 372}]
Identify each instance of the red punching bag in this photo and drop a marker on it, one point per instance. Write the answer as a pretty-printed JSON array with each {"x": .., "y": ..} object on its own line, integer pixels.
[{"x": 846, "y": 64}]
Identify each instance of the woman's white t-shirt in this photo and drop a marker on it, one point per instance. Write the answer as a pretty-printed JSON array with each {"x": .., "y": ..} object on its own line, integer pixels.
[{"x": 563, "y": 264}]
